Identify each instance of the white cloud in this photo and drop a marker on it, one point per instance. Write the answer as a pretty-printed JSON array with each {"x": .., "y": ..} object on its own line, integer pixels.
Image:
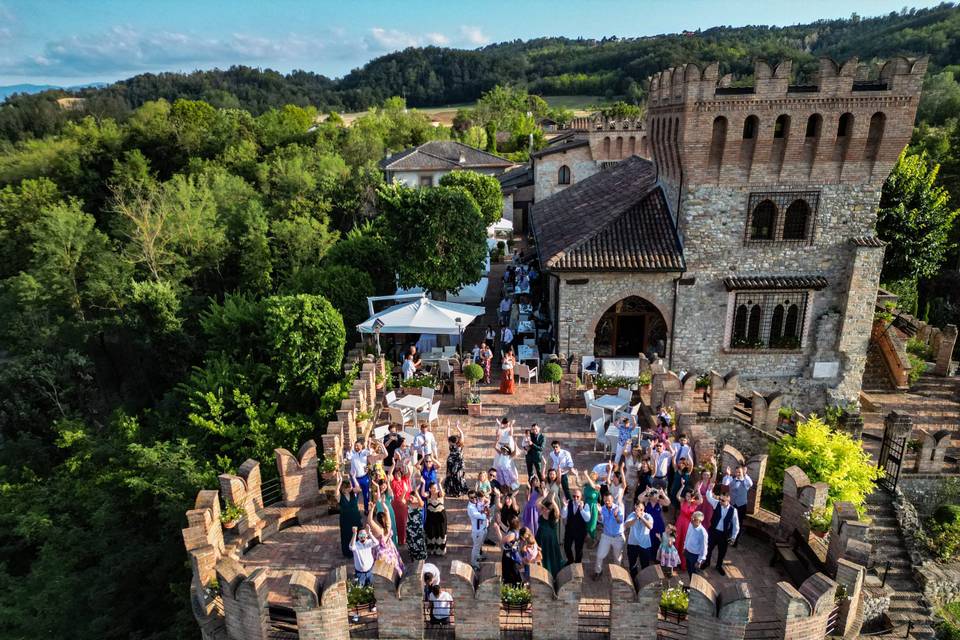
[
  {"x": 126, "y": 49},
  {"x": 473, "y": 35},
  {"x": 437, "y": 39},
  {"x": 381, "y": 39}
]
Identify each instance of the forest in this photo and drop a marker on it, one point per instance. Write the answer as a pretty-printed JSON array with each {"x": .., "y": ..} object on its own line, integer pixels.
[
  {"x": 437, "y": 76},
  {"x": 183, "y": 259}
]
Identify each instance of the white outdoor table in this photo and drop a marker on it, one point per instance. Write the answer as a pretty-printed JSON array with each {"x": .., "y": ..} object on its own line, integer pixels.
[
  {"x": 525, "y": 353},
  {"x": 610, "y": 403},
  {"x": 414, "y": 403}
]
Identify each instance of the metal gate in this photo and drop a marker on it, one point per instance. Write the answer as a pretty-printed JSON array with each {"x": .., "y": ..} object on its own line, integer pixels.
[{"x": 891, "y": 458}]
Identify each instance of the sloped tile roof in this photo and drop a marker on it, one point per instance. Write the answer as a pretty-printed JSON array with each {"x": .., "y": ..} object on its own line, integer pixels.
[
  {"x": 741, "y": 283},
  {"x": 561, "y": 145},
  {"x": 442, "y": 154},
  {"x": 615, "y": 220}
]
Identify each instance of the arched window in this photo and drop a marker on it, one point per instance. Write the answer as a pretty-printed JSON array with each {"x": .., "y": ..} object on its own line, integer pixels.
[
  {"x": 792, "y": 328},
  {"x": 753, "y": 325},
  {"x": 740, "y": 325},
  {"x": 718, "y": 141},
  {"x": 776, "y": 325},
  {"x": 795, "y": 220},
  {"x": 606, "y": 148},
  {"x": 845, "y": 126},
  {"x": 563, "y": 176},
  {"x": 814, "y": 123},
  {"x": 632, "y": 146},
  {"x": 619, "y": 147},
  {"x": 750, "y": 126},
  {"x": 875, "y": 136},
  {"x": 763, "y": 220},
  {"x": 781, "y": 128}
]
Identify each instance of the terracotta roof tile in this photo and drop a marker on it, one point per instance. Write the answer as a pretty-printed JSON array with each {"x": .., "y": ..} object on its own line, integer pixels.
[{"x": 615, "y": 220}]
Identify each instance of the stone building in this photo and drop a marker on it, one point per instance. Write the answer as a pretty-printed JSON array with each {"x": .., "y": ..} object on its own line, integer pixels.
[
  {"x": 748, "y": 240},
  {"x": 423, "y": 166}
]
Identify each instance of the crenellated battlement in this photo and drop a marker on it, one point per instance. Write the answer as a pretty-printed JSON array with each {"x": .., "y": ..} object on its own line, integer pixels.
[
  {"x": 841, "y": 128},
  {"x": 690, "y": 83}
]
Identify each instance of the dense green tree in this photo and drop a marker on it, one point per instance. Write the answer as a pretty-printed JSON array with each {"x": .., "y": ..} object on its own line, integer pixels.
[
  {"x": 484, "y": 189},
  {"x": 366, "y": 251},
  {"x": 915, "y": 217},
  {"x": 437, "y": 236},
  {"x": 347, "y": 289}
]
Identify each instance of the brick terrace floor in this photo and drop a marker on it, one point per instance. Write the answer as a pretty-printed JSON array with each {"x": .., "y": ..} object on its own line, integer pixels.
[{"x": 315, "y": 547}]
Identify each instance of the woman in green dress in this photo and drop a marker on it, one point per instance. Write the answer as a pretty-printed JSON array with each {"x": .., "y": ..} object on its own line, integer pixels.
[
  {"x": 547, "y": 537},
  {"x": 591, "y": 497},
  {"x": 350, "y": 517},
  {"x": 382, "y": 497}
]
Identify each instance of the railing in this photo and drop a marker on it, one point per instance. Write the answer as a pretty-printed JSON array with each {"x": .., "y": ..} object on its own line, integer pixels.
[
  {"x": 894, "y": 631},
  {"x": 270, "y": 492}
]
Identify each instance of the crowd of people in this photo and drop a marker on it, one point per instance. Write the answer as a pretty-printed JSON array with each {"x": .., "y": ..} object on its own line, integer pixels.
[{"x": 650, "y": 497}]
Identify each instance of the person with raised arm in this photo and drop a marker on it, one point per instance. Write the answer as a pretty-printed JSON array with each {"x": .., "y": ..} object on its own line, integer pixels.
[
  {"x": 576, "y": 515},
  {"x": 740, "y": 484},
  {"x": 612, "y": 538},
  {"x": 724, "y": 526},
  {"x": 350, "y": 516},
  {"x": 639, "y": 525},
  {"x": 455, "y": 483}
]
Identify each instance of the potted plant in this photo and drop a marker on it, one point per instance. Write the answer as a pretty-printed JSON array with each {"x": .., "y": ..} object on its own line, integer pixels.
[
  {"x": 360, "y": 598},
  {"x": 552, "y": 373},
  {"x": 785, "y": 416},
  {"x": 473, "y": 373},
  {"x": 645, "y": 380},
  {"x": 703, "y": 383},
  {"x": 515, "y": 598},
  {"x": 231, "y": 515},
  {"x": 380, "y": 380},
  {"x": 674, "y": 603},
  {"x": 417, "y": 382},
  {"x": 328, "y": 469},
  {"x": 819, "y": 519}
]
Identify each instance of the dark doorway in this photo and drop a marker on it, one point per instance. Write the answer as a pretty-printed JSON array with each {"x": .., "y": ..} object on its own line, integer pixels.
[
  {"x": 628, "y": 328},
  {"x": 630, "y": 335}
]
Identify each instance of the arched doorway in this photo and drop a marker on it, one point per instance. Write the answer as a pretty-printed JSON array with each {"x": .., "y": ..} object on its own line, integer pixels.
[{"x": 630, "y": 327}]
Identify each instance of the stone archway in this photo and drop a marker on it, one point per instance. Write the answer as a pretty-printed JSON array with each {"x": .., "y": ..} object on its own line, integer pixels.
[{"x": 630, "y": 326}]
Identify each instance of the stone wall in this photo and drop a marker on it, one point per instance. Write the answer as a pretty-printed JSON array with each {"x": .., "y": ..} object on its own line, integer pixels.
[
  {"x": 546, "y": 170},
  {"x": 926, "y": 492},
  {"x": 806, "y": 611}
]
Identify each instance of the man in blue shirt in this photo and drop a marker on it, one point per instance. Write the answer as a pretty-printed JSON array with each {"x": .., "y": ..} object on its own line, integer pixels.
[
  {"x": 639, "y": 543},
  {"x": 612, "y": 537},
  {"x": 696, "y": 543}
]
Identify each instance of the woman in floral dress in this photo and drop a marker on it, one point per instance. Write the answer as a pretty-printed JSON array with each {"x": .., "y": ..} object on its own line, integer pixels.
[
  {"x": 383, "y": 502},
  {"x": 416, "y": 543},
  {"x": 455, "y": 483},
  {"x": 385, "y": 550}
]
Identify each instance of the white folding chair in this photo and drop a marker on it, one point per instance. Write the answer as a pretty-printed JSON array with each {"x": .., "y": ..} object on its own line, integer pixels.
[
  {"x": 600, "y": 434},
  {"x": 449, "y": 351},
  {"x": 399, "y": 416},
  {"x": 391, "y": 397},
  {"x": 625, "y": 394},
  {"x": 445, "y": 369},
  {"x": 588, "y": 398},
  {"x": 526, "y": 372},
  {"x": 431, "y": 415},
  {"x": 426, "y": 392}
]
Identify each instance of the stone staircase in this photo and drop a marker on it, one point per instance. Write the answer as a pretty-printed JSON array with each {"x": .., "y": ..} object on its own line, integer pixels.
[
  {"x": 876, "y": 375},
  {"x": 888, "y": 546}
]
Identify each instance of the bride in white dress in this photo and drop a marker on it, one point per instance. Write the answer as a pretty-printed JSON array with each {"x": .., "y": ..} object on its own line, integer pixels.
[{"x": 503, "y": 461}]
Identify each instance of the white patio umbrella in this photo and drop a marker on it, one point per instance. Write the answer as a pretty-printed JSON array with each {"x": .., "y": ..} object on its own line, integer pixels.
[{"x": 422, "y": 316}]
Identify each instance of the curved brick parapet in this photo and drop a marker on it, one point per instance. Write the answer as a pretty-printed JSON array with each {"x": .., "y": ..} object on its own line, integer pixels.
[
  {"x": 321, "y": 607},
  {"x": 627, "y": 605},
  {"x": 298, "y": 474}
]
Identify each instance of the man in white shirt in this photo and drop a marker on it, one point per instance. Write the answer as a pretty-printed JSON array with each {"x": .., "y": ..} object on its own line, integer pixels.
[
  {"x": 724, "y": 526},
  {"x": 505, "y": 305},
  {"x": 479, "y": 512},
  {"x": 358, "y": 459},
  {"x": 506, "y": 338},
  {"x": 362, "y": 544},
  {"x": 562, "y": 461},
  {"x": 696, "y": 543},
  {"x": 639, "y": 543},
  {"x": 740, "y": 484},
  {"x": 682, "y": 449},
  {"x": 424, "y": 442},
  {"x": 442, "y": 604},
  {"x": 660, "y": 460}
]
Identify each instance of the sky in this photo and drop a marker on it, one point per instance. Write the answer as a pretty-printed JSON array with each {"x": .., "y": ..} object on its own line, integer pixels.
[{"x": 67, "y": 42}]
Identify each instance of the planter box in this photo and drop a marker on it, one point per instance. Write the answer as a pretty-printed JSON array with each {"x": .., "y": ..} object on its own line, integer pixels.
[
  {"x": 551, "y": 407},
  {"x": 474, "y": 409},
  {"x": 411, "y": 391},
  {"x": 673, "y": 615}
]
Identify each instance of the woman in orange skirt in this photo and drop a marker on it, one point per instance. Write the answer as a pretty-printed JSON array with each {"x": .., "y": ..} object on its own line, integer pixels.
[{"x": 506, "y": 383}]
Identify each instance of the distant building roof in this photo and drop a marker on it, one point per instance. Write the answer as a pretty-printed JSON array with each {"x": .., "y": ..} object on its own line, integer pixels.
[
  {"x": 615, "y": 220},
  {"x": 561, "y": 144},
  {"x": 521, "y": 176},
  {"x": 440, "y": 155}
]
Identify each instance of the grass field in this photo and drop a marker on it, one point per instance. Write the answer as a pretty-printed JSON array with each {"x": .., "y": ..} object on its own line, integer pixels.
[{"x": 444, "y": 115}]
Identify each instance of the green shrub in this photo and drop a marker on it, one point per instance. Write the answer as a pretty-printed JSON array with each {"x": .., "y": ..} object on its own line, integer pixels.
[
  {"x": 917, "y": 367},
  {"x": 675, "y": 600},
  {"x": 305, "y": 337},
  {"x": 826, "y": 456},
  {"x": 473, "y": 373},
  {"x": 785, "y": 412},
  {"x": 232, "y": 512},
  {"x": 552, "y": 373},
  {"x": 359, "y": 595},
  {"x": 943, "y": 540},
  {"x": 703, "y": 381},
  {"x": 947, "y": 514},
  {"x": 919, "y": 348},
  {"x": 514, "y": 596},
  {"x": 421, "y": 380},
  {"x": 607, "y": 382},
  {"x": 644, "y": 378}
]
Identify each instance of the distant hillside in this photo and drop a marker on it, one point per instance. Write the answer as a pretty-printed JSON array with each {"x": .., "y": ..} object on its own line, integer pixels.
[
  {"x": 433, "y": 76},
  {"x": 10, "y": 89}
]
